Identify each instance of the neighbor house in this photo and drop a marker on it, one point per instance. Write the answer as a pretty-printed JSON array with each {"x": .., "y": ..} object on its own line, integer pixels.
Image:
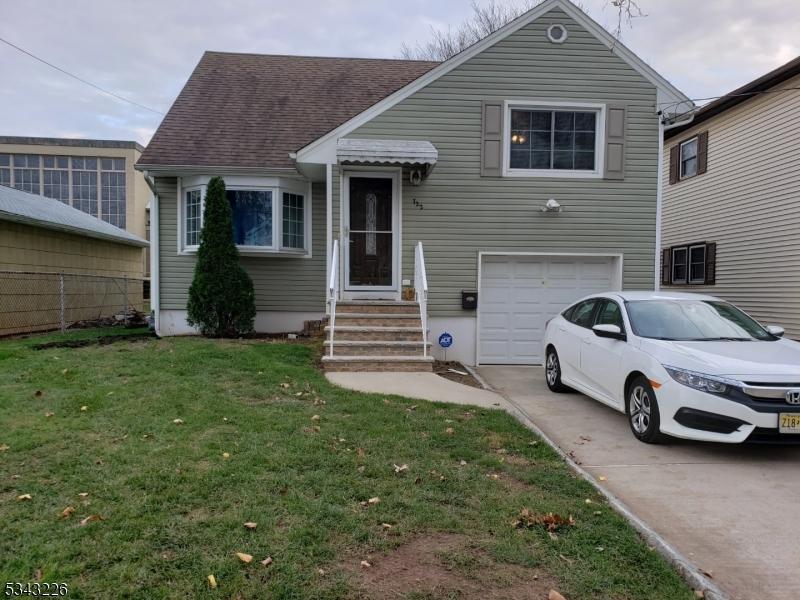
[
  {"x": 493, "y": 188},
  {"x": 59, "y": 265},
  {"x": 731, "y": 219},
  {"x": 95, "y": 176}
]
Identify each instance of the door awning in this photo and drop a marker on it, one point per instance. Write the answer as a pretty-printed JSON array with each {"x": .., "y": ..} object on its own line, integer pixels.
[{"x": 387, "y": 152}]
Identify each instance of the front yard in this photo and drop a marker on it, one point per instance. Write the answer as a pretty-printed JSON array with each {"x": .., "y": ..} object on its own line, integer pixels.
[{"x": 166, "y": 448}]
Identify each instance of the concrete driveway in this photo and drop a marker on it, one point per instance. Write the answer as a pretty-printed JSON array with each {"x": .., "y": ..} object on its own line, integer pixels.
[{"x": 732, "y": 510}]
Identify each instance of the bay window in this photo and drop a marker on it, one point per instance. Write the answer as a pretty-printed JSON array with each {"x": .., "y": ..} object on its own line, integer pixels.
[{"x": 269, "y": 215}]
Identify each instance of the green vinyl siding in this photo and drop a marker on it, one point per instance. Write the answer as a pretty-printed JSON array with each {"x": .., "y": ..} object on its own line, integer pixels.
[
  {"x": 464, "y": 213},
  {"x": 281, "y": 283}
]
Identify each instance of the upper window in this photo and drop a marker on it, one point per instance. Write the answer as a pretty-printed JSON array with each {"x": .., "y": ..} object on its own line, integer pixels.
[
  {"x": 552, "y": 141},
  {"x": 689, "y": 158},
  {"x": 26, "y": 173},
  {"x": 697, "y": 263},
  {"x": 265, "y": 219},
  {"x": 679, "y": 265}
]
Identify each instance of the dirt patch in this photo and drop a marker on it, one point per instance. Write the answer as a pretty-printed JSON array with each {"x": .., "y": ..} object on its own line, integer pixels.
[
  {"x": 448, "y": 371},
  {"x": 444, "y": 566},
  {"x": 99, "y": 341}
]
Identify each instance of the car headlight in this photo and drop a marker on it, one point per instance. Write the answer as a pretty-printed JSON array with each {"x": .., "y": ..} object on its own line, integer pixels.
[{"x": 699, "y": 381}]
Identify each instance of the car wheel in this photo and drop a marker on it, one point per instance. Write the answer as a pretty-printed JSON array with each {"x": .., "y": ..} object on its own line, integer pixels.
[
  {"x": 641, "y": 406},
  {"x": 552, "y": 371}
]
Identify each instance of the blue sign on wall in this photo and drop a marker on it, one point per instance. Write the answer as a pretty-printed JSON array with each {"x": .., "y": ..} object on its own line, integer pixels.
[{"x": 445, "y": 340}]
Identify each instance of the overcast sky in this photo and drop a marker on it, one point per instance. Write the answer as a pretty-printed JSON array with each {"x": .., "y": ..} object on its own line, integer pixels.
[{"x": 145, "y": 49}]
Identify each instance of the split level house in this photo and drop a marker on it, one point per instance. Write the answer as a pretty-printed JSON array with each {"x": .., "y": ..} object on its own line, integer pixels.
[
  {"x": 731, "y": 220},
  {"x": 407, "y": 201}
]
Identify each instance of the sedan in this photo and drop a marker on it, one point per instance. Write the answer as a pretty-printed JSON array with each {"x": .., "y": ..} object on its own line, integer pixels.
[{"x": 683, "y": 365}]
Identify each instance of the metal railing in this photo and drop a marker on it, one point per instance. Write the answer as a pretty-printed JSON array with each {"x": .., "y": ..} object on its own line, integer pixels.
[
  {"x": 31, "y": 301},
  {"x": 333, "y": 290},
  {"x": 421, "y": 293}
]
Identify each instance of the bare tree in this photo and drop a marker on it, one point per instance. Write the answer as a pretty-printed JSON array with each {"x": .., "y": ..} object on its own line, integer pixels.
[{"x": 487, "y": 18}]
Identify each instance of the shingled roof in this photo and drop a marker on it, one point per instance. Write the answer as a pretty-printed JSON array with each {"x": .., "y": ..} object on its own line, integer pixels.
[{"x": 252, "y": 110}]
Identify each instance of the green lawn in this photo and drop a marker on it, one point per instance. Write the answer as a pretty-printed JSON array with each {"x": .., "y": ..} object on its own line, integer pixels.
[{"x": 303, "y": 457}]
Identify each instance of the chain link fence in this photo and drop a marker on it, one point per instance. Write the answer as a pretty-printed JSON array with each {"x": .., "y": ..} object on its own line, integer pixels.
[{"x": 31, "y": 302}]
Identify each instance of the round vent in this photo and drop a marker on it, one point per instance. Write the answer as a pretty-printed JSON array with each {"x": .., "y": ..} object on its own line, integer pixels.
[{"x": 557, "y": 34}]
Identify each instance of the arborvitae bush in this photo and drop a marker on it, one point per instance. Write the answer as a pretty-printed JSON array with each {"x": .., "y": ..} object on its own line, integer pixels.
[{"x": 221, "y": 298}]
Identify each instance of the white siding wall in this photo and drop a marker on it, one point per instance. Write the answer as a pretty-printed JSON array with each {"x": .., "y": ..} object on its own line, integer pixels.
[{"x": 748, "y": 202}]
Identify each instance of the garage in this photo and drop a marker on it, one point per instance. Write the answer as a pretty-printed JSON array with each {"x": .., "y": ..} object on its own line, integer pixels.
[{"x": 519, "y": 293}]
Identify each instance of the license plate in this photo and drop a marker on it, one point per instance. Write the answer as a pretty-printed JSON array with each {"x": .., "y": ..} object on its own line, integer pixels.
[{"x": 789, "y": 422}]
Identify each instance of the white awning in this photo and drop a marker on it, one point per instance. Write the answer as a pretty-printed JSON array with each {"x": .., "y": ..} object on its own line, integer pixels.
[{"x": 395, "y": 152}]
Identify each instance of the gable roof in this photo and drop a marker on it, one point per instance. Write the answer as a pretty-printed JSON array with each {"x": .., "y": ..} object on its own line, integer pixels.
[
  {"x": 30, "y": 209},
  {"x": 322, "y": 149},
  {"x": 252, "y": 110},
  {"x": 739, "y": 95}
]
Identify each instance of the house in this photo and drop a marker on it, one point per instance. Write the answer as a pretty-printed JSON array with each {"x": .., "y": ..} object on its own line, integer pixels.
[
  {"x": 59, "y": 265},
  {"x": 95, "y": 176},
  {"x": 731, "y": 187},
  {"x": 494, "y": 188}
]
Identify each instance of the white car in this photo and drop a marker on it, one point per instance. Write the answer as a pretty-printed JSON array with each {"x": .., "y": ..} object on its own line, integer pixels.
[{"x": 683, "y": 365}]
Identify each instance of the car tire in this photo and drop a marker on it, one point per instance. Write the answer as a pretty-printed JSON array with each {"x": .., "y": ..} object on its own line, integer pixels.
[
  {"x": 641, "y": 407},
  {"x": 552, "y": 372}
]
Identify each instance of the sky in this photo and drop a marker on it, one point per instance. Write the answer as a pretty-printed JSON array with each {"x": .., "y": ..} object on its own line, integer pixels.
[{"x": 146, "y": 49}]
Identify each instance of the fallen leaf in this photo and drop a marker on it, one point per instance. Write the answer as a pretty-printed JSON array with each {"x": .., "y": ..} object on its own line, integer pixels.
[
  {"x": 361, "y": 452},
  {"x": 400, "y": 468},
  {"x": 110, "y": 394},
  {"x": 699, "y": 594},
  {"x": 226, "y": 455},
  {"x": 463, "y": 463},
  {"x": 603, "y": 478},
  {"x": 178, "y": 421},
  {"x": 387, "y": 402},
  {"x": 250, "y": 525},
  {"x": 565, "y": 559},
  {"x": 15, "y": 477},
  {"x": 412, "y": 407},
  {"x": 387, "y": 525},
  {"x": 597, "y": 513},
  {"x": 225, "y": 419},
  {"x": 554, "y": 595},
  {"x": 245, "y": 558},
  {"x": 321, "y": 572},
  {"x": 533, "y": 443},
  {"x": 64, "y": 371},
  {"x": 49, "y": 414},
  {"x": 315, "y": 418},
  {"x": 361, "y": 469},
  {"x": 365, "y": 564},
  {"x": 92, "y": 519},
  {"x": 588, "y": 501},
  {"x": 83, "y": 494},
  {"x": 550, "y": 521},
  {"x": 212, "y": 582},
  {"x": 4, "y": 447},
  {"x": 285, "y": 386},
  {"x": 298, "y": 394},
  {"x": 38, "y": 393},
  {"x": 267, "y": 561},
  {"x": 374, "y": 500},
  {"x": 37, "y": 574},
  {"x": 449, "y": 431},
  {"x": 67, "y": 512},
  {"x": 23, "y": 497}
]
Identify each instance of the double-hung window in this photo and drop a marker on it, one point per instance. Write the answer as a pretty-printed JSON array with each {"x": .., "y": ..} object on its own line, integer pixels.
[
  {"x": 267, "y": 216},
  {"x": 693, "y": 264},
  {"x": 553, "y": 141},
  {"x": 688, "y": 158}
]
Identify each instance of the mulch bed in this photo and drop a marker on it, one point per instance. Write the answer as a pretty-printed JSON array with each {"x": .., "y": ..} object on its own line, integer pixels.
[{"x": 443, "y": 369}]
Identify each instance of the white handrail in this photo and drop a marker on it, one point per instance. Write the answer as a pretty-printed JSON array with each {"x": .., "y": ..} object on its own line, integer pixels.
[
  {"x": 333, "y": 290},
  {"x": 421, "y": 293}
]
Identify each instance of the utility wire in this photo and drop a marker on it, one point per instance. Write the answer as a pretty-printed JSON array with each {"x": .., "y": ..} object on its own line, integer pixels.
[
  {"x": 668, "y": 105},
  {"x": 89, "y": 83}
]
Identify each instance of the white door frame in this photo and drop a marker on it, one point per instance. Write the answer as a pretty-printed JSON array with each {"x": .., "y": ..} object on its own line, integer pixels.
[
  {"x": 372, "y": 291},
  {"x": 616, "y": 283}
]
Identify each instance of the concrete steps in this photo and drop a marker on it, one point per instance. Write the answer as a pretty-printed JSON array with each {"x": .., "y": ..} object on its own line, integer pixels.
[{"x": 377, "y": 335}]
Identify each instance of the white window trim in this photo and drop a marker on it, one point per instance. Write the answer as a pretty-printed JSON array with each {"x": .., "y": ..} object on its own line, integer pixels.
[
  {"x": 272, "y": 184},
  {"x": 681, "y": 174},
  {"x": 599, "y": 141},
  {"x": 557, "y": 40},
  {"x": 689, "y": 264},
  {"x": 672, "y": 264}
]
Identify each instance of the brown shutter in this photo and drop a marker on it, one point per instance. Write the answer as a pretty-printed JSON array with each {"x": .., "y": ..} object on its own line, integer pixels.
[
  {"x": 674, "y": 160},
  {"x": 492, "y": 138},
  {"x": 666, "y": 256},
  {"x": 615, "y": 142},
  {"x": 711, "y": 263},
  {"x": 702, "y": 153}
]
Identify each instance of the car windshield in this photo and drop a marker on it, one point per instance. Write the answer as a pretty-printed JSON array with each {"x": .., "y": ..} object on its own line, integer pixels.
[{"x": 693, "y": 320}]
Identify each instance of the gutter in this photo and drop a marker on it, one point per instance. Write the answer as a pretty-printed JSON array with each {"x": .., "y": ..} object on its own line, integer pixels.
[{"x": 155, "y": 237}]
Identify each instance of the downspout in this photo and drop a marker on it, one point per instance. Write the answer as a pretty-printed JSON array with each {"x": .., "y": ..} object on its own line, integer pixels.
[
  {"x": 155, "y": 235},
  {"x": 662, "y": 127}
]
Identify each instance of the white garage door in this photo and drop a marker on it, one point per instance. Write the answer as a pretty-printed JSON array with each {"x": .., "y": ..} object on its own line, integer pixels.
[{"x": 520, "y": 293}]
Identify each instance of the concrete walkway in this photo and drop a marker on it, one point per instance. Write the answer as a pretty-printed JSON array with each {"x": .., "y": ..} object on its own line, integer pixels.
[
  {"x": 423, "y": 386},
  {"x": 732, "y": 510}
]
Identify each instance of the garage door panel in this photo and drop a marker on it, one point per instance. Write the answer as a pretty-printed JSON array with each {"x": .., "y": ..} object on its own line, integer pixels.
[{"x": 520, "y": 293}]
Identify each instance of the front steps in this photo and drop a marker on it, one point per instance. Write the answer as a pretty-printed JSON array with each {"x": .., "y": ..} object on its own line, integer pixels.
[{"x": 377, "y": 335}]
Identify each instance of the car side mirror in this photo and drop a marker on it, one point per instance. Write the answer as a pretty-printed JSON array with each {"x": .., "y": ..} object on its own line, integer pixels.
[
  {"x": 775, "y": 330},
  {"x": 609, "y": 331}
]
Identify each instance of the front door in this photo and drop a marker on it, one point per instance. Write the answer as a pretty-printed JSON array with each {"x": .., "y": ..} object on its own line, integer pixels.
[{"x": 370, "y": 233}]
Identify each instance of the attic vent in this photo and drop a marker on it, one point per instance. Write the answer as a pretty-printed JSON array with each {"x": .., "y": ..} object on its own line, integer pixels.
[{"x": 557, "y": 34}]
